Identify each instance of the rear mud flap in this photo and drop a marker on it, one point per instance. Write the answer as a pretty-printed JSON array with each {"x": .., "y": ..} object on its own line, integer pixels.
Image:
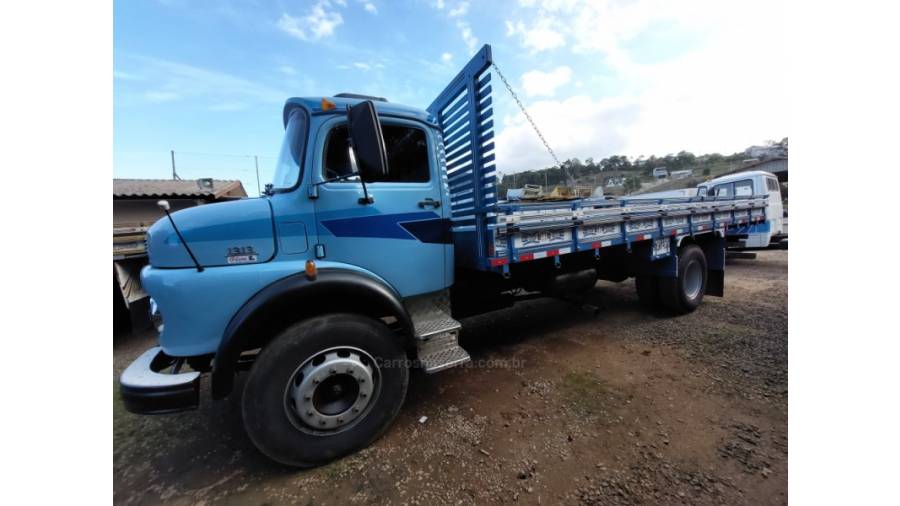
[
  {"x": 714, "y": 250},
  {"x": 715, "y": 282}
]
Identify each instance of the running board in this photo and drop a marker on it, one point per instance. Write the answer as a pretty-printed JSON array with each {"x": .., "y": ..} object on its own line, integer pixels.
[{"x": 441, "y": 352}]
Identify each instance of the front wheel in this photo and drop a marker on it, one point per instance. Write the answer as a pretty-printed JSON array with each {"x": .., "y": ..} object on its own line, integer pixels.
[
  {"x": 683, "y": 294},
  {"x": 324, "y": 388}
]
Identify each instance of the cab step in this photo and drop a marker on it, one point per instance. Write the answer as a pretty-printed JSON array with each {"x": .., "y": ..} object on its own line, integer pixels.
[
  {"x": 431, "y": 315},
  {"x": 436, "y": 332},
  {"x": 441, "y": 351}
]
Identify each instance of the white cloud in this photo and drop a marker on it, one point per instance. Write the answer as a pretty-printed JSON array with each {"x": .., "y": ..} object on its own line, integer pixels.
[
  {"x": 446, "y": 57},
  {"x": 439, "y": 4},
  {"x": 537, "y": 83},
  {"x": 539, "y": 36},
  {"x": 362, "y": 66},
  {"x": 577, "y": 126},
  {"x": 466, "y": 32},
  {"x": 167, "y": 81},
  {"x": 460, "y": 10},
  {"x": 126, "y": 76},
  {"x": 287, "y": 70},
  {"x": 370, "y": 7},
  {"x": 162, "y": 96},
  {"x": 315, "y": 25},
  {"x": 721, "y": 91}
]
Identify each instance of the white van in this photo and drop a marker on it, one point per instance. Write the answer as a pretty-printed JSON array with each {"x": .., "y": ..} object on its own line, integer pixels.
[{"x": 756, "y": 182}]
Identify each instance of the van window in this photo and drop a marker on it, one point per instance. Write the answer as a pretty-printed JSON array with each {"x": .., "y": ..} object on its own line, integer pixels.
[
  {"x": 723, "y": 190},
  {"x": 772, "y": 185},
  {"x": 407, "y": 153},
  {"x": 743, "y": 188}
]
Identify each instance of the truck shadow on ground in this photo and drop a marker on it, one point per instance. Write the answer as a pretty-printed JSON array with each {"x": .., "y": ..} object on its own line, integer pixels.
[{"x": 198, "y": 448}]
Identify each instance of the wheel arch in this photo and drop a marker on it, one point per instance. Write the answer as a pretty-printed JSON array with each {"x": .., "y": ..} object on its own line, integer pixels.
[{"x": 294, "y": 298}]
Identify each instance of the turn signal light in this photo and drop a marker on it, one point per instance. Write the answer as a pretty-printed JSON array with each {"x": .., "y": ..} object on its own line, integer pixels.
[
  {"x": 327, "y": 105},
  {"x": 311, "y": 270}
]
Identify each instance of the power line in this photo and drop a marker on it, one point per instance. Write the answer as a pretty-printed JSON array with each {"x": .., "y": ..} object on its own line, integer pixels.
[
  {"x": 221, "y": 170},
  {"x": 198, "y": 153}
]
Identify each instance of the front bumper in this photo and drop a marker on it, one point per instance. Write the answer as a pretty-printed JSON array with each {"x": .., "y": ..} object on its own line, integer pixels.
[{"x": 147, "y": 391}]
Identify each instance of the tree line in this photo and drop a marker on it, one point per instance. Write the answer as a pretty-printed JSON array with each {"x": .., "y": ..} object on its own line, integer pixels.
[{"x": 591, "y": 171}]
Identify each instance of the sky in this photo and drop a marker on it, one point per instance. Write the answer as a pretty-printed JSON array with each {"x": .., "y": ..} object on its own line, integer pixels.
[{"x": 208, "y": 79}]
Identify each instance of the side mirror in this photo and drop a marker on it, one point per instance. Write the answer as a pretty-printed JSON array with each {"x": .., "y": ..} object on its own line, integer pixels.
[{"x": 367, "y": 141}]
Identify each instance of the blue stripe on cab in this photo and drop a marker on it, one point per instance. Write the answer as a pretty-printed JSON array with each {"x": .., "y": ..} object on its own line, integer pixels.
[{"x": 385, "y": 226}]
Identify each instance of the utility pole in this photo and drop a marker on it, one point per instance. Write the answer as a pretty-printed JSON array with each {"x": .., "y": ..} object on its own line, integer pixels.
[
  {"x": 256, "y": 162},
  {"x": 174, "y": 174}
]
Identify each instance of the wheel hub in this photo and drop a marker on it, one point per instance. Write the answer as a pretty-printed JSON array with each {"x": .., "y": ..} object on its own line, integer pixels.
[
  {"x": 693, "y": 280},
  {"x": 332, "y": 389}
]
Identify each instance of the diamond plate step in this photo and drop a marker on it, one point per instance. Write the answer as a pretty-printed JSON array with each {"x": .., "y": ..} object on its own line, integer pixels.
[
  {"x": 441, "y": 351},
  {"x": 430, "y": 316}
]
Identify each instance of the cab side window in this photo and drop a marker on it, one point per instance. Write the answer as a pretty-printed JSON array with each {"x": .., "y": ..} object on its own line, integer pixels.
[
  {"x": 743, "y": 188},
  {"x": 723, "y": 190},
  {"x": 336, "y": 161},
  {"x": 407, "y": 153}
]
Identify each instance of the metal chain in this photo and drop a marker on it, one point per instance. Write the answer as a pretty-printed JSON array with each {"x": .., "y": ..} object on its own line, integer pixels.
[{"x": 527, "y": 116}]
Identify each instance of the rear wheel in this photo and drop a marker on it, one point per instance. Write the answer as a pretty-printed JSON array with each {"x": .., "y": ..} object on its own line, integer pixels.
[
  {"x": 683, "y": 294},
  {"x": 324, "y": 388}
]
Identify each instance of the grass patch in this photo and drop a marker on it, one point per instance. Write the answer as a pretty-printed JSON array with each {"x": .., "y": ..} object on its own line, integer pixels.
[{"x": 589, "y": 395}]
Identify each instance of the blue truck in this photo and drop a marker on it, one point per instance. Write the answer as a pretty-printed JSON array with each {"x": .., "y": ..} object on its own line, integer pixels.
[{"x": 382, "y": 228}]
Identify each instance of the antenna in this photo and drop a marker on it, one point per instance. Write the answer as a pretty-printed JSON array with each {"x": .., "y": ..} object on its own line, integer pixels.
[
  {"x": 164, "y": 205},
  {"x": 175, "y": 176}
]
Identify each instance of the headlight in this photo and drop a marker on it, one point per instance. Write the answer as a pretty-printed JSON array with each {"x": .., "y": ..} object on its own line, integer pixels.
[{"x": 155, "y": 315}]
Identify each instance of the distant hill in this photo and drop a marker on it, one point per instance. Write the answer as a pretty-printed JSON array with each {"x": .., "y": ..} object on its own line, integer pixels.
[{"x": 636, "y": 172}]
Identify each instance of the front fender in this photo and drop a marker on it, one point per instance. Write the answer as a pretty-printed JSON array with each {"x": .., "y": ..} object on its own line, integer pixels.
[{"x": 294, "y": 298}]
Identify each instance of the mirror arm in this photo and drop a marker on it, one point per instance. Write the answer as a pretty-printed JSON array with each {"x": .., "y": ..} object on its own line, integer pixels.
[{"x": 365, "y": 199}]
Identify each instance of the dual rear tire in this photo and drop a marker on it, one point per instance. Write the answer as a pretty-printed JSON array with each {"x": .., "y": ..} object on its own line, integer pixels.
[{"x": 681, "y": 294}]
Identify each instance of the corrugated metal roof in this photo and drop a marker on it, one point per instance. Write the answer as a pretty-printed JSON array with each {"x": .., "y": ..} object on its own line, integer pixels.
[{"x": 186, "y": 188}]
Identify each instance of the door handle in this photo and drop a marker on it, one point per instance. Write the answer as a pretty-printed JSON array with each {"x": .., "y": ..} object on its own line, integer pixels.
[{"x": 430, "y": 202}]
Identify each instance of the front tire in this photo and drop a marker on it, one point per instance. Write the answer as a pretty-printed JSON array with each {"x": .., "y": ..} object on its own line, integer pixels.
[
  {"x": 683, "y": 294},
  {"x": 324, "y": 388}
]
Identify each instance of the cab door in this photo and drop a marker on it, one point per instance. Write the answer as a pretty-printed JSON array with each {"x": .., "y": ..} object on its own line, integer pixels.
[
  {"x": 403, "y": 233},
  {"x": 775, "y": 209}
]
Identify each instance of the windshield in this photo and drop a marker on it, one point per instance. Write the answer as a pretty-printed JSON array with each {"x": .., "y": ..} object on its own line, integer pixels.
[{"x": 287, "y": 168}]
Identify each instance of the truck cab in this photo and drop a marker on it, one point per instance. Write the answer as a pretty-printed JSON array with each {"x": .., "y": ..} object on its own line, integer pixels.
[{"x": 749, "y": 183}]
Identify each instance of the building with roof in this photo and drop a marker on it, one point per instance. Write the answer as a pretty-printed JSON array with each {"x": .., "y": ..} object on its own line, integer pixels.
[
  {"x": 135, "y": 209},
  {"x": 777, "y": 166}
]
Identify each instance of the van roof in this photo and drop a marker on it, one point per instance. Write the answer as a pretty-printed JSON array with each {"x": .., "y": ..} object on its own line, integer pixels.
[{"x": 736, "y": 177}]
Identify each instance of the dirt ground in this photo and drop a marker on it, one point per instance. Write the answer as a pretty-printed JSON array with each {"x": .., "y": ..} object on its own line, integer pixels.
[{"x": 625, "y": 407}]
